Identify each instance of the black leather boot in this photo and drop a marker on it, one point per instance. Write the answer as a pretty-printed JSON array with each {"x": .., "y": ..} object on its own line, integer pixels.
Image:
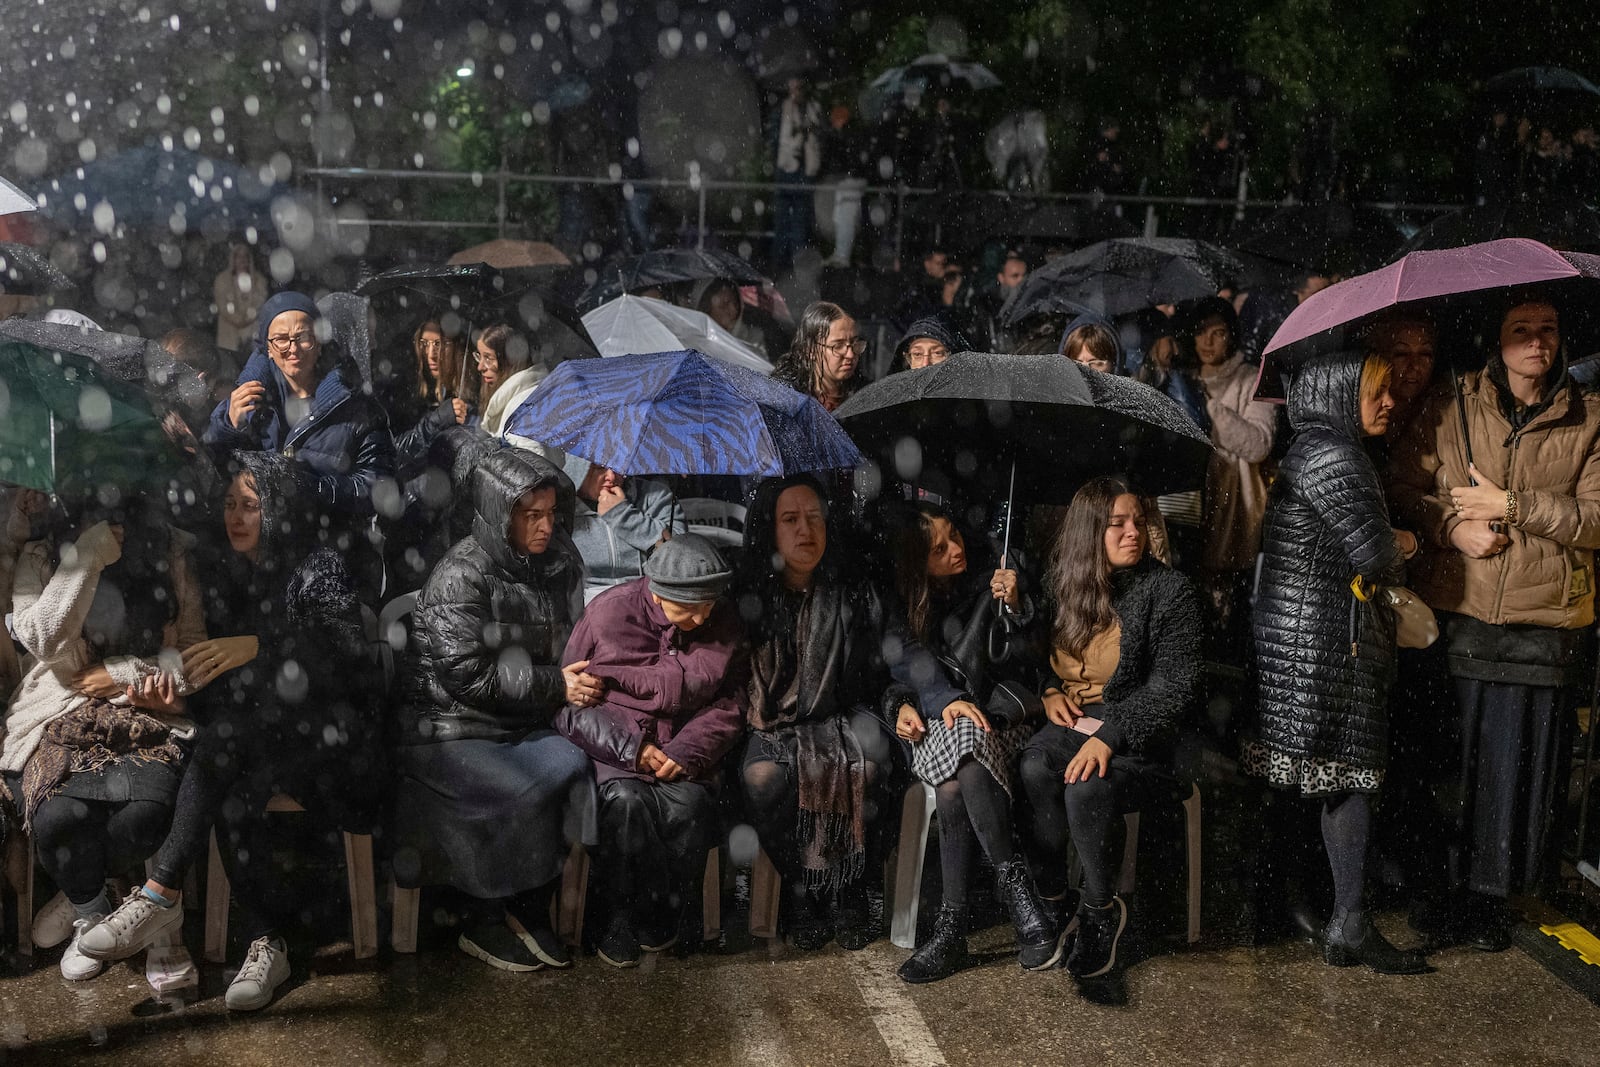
[
  {"x": 1350, "y": 938},
  {"x": 1038, "y": 939},
  {"x": 944, "y": 953}
]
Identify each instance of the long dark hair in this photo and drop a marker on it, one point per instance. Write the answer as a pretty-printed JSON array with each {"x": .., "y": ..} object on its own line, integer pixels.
[
  {"x": 1189, "y": 322},
  {"x": 760, "y": 569},
  {"x": 801, "y": 365},
  {"x": 512, "y": 351},
  {"x": 429, "y": 389},
  {"x": 1080, "y": 571},
  {"x": 910, "y": 528}
]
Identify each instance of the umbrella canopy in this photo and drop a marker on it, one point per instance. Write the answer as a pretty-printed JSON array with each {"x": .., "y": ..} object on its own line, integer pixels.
[
  {"x": 632, "y": 324},
  {"x": 666, "y": 266},
  {"x": 681, "y": 413},
  {"x": 1121, "y": 275},
  {"x": 1330, "y": 236},
  {"x": 505, "y": 253},
  {"x": 1059, "y": 423},
  {"x": 69, "y": 427},
  {"x": 932, "y": 73},
  {"x": 1544, "y": 94},
  {"x": 138, "y": 360},
  {"x": 1560, "y": 222},
  {"x": 1333, "y": 319},
  {"x": 14, "y": 200},
  {"x": 349, "y": 317},
  {"x": 27, "y": 271},
  {"x": 151, "y": 185}
]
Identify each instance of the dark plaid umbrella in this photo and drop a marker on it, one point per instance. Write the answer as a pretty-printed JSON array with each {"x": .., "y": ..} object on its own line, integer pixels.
[
  {"x": 979, "y": 416},
  {"x": 1121, "y": 275},
  {"x": 681, "y": 413},
  {"x": 26, "y": 271},
  {"x": 666, "y": 266},
  {"x": 1560, "y": 222}
]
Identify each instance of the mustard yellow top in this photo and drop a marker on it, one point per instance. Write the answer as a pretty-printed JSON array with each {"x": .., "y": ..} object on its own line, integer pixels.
[{"x": 1084, "y": 680}]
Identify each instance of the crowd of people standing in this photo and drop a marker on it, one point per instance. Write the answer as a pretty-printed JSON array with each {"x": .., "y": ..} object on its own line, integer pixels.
[{"x": 579, "y": 667}]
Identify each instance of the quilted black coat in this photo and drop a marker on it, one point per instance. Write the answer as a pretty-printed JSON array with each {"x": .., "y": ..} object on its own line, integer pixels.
[
  {"x": 1324, "y": 657},
  {"x": 490, "y": 624}
]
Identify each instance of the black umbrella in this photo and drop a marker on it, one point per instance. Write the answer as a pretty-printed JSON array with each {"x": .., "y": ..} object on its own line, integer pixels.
[
  {"x": 1041, "y": 424},
  {"x": 1546, "y": 93},
  {"x": 665, "y": 266},
  {"x": 26, "y": 271},
  {"x": 1121, "y": 275},
  {"x": 1329, "y": 236},
  {"x": 463, "y": 297},
  {"x": 120, "y": 356},
  {"x": 1563, "y": 223},
  {"x": 349, "y": 317}
]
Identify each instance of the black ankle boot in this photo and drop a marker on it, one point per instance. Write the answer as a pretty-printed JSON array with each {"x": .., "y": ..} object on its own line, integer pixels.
[
  {"x": 944, "y": 953},
  {"x": 1038, "y": 939},
  {"x": 852, "y": 918},
  {"x": 1350, "y": 938}
]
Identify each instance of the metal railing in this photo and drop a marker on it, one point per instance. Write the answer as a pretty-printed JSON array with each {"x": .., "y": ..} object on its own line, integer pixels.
[{"x": 902, "y": 195}]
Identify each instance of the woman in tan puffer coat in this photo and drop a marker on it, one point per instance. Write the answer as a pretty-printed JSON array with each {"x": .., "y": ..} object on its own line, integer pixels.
[{"x": 1508, "y": 563}]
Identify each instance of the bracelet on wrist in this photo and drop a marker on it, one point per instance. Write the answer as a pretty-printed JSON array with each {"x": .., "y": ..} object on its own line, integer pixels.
[{"x": 1513, "y": 509}]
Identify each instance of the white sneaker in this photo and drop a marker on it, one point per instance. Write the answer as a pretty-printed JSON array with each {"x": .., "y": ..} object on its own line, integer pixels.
[
  {"x": 266, "y": 967},
  {"x": 138, "y": 923},
  {"x": 53, "y": 924},
  {"x": 75, "y": 966}
]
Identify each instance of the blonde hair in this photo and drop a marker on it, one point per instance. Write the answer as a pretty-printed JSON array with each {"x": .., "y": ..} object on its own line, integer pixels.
[{"x": 1376, "y": 372}]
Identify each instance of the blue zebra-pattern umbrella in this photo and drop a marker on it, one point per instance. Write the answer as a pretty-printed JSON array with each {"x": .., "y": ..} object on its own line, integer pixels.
[{"x": 681, "y": 413}]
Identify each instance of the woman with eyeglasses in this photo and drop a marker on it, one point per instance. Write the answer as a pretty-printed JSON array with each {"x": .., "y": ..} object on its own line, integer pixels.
[
  {"x": 303, "y": 397},
  {"x": 825, "y": 359}
]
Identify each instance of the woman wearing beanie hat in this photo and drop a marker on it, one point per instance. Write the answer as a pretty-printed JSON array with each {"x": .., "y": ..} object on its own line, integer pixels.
[
  {"x": 663, "y": 646},
  {"x": 302, "y": 397}
]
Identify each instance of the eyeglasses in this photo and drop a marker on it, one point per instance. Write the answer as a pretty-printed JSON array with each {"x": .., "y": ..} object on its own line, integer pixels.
[
  {"x": 483, "y": 361},
  {"x": 303, "y": 339},
  {"x": 857, "y": 345}
]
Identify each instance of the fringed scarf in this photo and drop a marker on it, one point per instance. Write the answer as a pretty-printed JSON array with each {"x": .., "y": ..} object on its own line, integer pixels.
[
  {"x": 87, "y": 739},
  {"x": 796, "y": 687}
]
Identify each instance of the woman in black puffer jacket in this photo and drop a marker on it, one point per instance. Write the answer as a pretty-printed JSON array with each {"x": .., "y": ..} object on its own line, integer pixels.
[
  {"x": 486, "y": 783},
  {"x": 1325, "y": 647}
]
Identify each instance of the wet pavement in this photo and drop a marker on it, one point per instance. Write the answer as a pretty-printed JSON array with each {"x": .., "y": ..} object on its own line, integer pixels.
[{"x": 777, "y": 1006}]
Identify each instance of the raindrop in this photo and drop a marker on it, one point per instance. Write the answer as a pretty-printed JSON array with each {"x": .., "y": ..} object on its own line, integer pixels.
[
  {"x": 86, "y": 150},
  {"x": 191, "y": 138},
  {"x": 281, "y": 264},
  {"x": 164, "y": 104},
  {"x": 386, "y": 9},
  {"x": 216, "y": 116},
  {"x": 94, "y": 408},
  {"x": 908, "y": 458},
  {"x": 105, "y": 219},
  {"x": 292, "y": 682},
  {"x": 31, "y": 157},
  {"x": 19, "y": 113}
]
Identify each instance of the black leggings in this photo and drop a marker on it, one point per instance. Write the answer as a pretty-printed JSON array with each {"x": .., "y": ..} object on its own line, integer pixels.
[
  {"x": 654, "y": 837},
  {"x": 974, "y": 810},
  {"x": 1088, "y": 813},
  {"x": 80, "y": 842},
  {"x": 1346, "y": 829}
]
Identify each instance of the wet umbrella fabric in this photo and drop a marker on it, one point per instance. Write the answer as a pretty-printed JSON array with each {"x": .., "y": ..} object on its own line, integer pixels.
[
  {"x": 1060, "y": 423},
  {"x": 681, "y": 413},
  {"x": 14, "y": 200},
  {"x": 504, "y": 253},
  {"x": 26, "y": 271},
  {"x": 932, "y": 73},
  {"x": 137, "y": 360},
  {"x": 1331, "y": 320},
  {"x": 631, "y": 324},
  {"x": 67, "y": 426},
  {"x": 1323, "y": 237},
  {"x": 349, "y": 318},
  {"x": 1121, "y": 275},
  {"x": 152, "y": 185},
  {"x": 667, "y": 266},
  {"x": 1563, "y": 223}
]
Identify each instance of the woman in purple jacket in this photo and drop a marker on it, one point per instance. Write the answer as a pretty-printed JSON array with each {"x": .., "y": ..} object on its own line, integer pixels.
[{"x": 668, "y": 711}]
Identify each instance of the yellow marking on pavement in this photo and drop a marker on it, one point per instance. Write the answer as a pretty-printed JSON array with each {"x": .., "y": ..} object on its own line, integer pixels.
[{"x": 1576, "y": 938}]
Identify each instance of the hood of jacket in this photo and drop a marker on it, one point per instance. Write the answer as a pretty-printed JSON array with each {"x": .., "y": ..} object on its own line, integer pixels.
[
  {"x": 288, "y": 525},
  {"x": 499, "y": 480},
  {"x": 1094, "y": 318},
  {"x": 1327, "y": 393}
]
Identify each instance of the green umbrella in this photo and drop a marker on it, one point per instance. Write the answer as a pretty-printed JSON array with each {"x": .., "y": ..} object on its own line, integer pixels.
[{"x": 69, "y": 428}]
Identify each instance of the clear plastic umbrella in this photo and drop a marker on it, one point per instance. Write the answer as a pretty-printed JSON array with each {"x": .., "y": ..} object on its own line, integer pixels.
[{"x": 14, "y": 200}]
